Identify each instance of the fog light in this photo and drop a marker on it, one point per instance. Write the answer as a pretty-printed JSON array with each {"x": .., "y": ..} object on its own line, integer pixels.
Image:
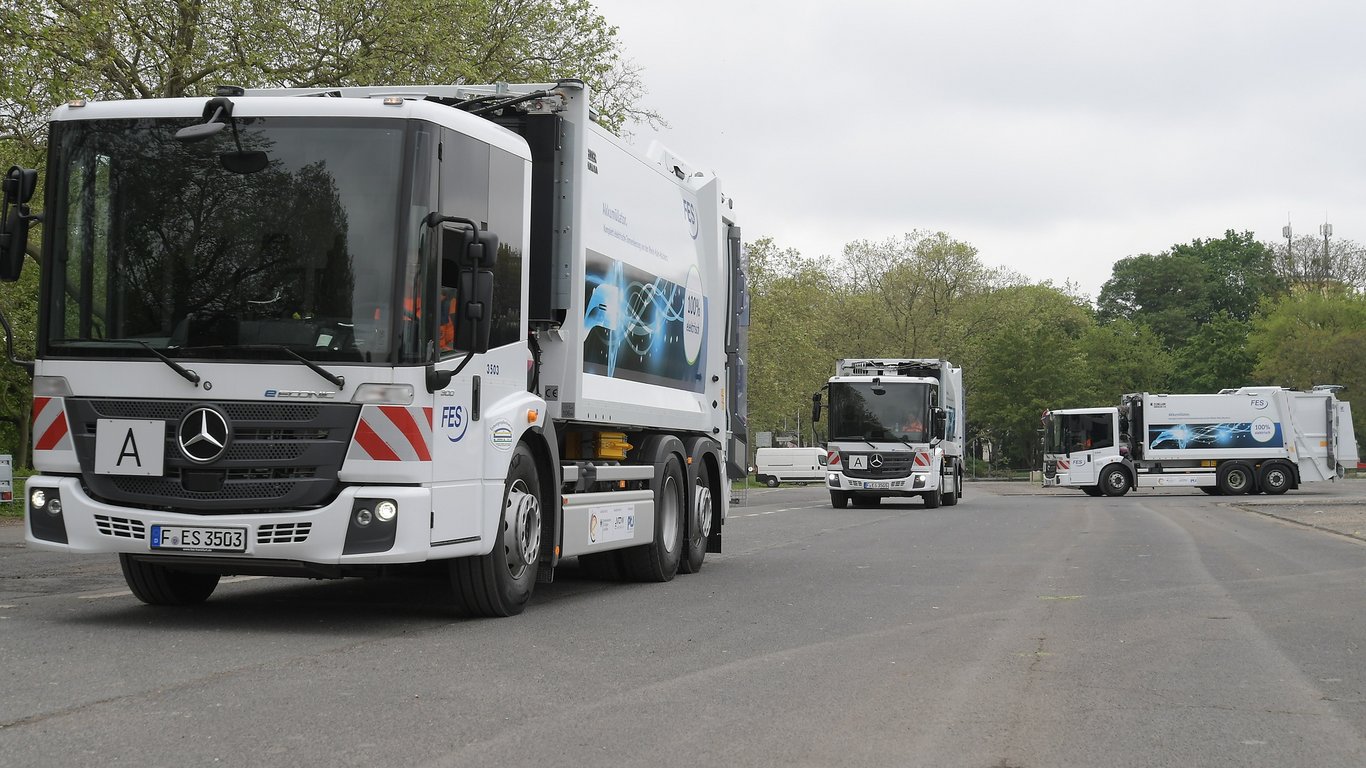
[
  {"x": 363, "y": 517},
  {"x": 54, "y": 507},
  {"x": 38, "y": 498},
  {"x": 385, "y": 511}
]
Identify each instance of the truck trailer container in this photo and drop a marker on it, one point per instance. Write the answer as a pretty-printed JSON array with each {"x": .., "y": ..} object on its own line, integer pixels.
[
  {"x": 332, "y": 332},
  {"x": 1247, "y": 440},
  {"x": 896, "y": 428}
]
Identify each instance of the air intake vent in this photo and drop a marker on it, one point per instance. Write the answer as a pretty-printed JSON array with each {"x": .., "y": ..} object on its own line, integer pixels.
[
  {"x": 120, "y": 527},
  {"x": 283, "y": 533}
]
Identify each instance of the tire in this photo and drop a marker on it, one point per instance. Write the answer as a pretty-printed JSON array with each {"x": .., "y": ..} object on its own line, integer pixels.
[
  {"x": 658, "y": 560},
  {"x": 839, "y": 499},
  {"x": 1114, "y": 481},
  {"x": 1277, "y": 478},
  {"x": 699, "y": 521},
  {"x": 1211, "y": 490},
  {"x": 156, "y": 584},
  {"x": 862, "y": 501},
  {"x": 934, "y": 498},
  {"x": 500, "y": 583},
  {"x": 1092, "y": 490},
  {"x": 1234, "y": 478},
  {"x": 771, "y": 482},
  {"x": 951, "y": 499}
]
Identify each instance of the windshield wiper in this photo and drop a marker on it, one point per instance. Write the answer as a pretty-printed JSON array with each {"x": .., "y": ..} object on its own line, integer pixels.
[
  {"x": 338, "y": 381},
  {"x": 870, "y": 443},
  {"x": 189, "y": 375}
]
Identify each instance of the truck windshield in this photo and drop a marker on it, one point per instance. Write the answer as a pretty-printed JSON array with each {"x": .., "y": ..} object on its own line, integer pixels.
[
  {"x": 897, "y": 411},
  {"x": 1071, "y": 432},
  {"x": 188, "y": 250}
]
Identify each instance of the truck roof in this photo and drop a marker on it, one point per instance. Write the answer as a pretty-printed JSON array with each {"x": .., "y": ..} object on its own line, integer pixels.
[{"x": 407, "y": 107}]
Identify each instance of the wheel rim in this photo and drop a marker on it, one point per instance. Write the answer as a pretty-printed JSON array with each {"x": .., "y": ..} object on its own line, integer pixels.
[
  {"x": 1116, "y": 480},
  {"x": 1237, "y": 480},
  {"x": 1275, "y": 478},
  {"x": 521, "y": 529},
  {"x": 702, "y": 513},
  {"x": 669, "y": 507}
]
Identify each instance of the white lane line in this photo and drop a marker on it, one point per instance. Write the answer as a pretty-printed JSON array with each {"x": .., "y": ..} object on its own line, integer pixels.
[
  {"x": 125, "y": 593},
  {"x": 785, "y": 509}
]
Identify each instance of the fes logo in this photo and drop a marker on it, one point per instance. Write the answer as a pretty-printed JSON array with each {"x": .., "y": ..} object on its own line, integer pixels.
[
  {"x": 690, "y": 211},
  {"x": 455, "y": 421}
]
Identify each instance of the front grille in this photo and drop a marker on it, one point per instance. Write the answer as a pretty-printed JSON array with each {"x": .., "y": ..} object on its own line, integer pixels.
[
  {"x": 281, "y": 456},
  {"x": 894, "y": 465},
  {"x": 283, "y": 533},
  {"x": 120, "y": 527}
]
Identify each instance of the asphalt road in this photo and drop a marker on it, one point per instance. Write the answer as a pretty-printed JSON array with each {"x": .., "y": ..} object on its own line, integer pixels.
[{"x": 1020, "y": 629}]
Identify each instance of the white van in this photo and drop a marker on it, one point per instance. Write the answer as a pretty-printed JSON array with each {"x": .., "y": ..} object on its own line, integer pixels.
[{"x": 789, "y": 465}]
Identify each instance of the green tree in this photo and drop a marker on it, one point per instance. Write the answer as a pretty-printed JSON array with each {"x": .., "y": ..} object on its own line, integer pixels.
[
  {"x": 1216, "y": 357},
  {"x": 1121, "y": 356},
  {"x": 1314, "y": 337},
  {"x": 794, "y": 337},
  {"x": 1029, "y": 364},
  {"x": 913, "y": 286},
  {"x": 1176, "y": 292},
  {"x": 53, "y": 50}
]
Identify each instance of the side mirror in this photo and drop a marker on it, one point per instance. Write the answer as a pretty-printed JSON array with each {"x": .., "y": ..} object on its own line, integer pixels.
[
  {"x": 816, "y": 407},
  {"x": 15, "y": 220},
  {"x": 939, "y": 421},
  {"x": 483, "y": 252},
  {"x": 475, "y": 310}
]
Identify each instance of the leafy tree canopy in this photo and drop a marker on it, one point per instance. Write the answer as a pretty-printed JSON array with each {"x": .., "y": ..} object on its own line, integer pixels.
[{"x": 1176, "y": 292}]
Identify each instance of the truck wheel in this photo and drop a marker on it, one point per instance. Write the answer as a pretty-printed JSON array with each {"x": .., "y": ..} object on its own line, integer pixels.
[
  {"x": 1211, "y": 490},
  {"x": 1114, "y": 481},
  {"x": 658, "y": 560},
  {"x": 155, "y": 584},
  {"x": 699, "y": 523},
  {"x": 839, "y": 499},
  {"x": 1092, "y": 490},
  {"x": 1234, "y": 478},
  {"x": 1276, "y": 478},
  {"x": 934, "y": 498},
  {"x": 500, "y": 583},
  {"x": 951, "y": 499},
  {"x": 771, "y": 482}
]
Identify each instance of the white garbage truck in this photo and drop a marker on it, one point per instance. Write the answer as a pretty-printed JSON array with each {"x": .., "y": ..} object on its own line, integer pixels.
[
  {"x": 896, "y": 428},
  {"x": 1237, "y": 441},
  {"x": 334, "y": 332}
]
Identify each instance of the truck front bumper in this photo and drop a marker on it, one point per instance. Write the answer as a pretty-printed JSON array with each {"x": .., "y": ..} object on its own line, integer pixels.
[
  {"x": 912, "y": 485},
  {"x": 326, "y": 536}
]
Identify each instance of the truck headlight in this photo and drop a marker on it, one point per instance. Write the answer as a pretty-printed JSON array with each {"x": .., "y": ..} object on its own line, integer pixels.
[{"x": 386, "y": 510}]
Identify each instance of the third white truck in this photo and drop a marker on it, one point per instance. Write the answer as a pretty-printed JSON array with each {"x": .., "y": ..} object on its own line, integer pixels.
[{"x": 1247, "y": 440}]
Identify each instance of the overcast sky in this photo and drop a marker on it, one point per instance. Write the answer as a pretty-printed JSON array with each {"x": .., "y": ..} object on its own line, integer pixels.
[{"x": 1056, "y": 137}]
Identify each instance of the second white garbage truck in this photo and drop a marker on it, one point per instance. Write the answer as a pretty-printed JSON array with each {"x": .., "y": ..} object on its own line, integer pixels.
[
  {"x": 896, "y": 428},
  {"x": 1247, "y": 440}
]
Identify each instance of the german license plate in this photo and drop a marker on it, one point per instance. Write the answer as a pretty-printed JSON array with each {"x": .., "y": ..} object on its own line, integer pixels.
[
  {"x": 199, "y": 539},
  {"x": 877, "y": 484}
]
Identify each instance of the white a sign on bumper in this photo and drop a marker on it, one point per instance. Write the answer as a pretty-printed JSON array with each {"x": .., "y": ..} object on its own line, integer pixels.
[{"x": 129, "y": 447}]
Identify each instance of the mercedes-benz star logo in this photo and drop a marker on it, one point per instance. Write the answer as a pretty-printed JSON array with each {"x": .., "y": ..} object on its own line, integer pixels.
[
  {"x": 876, "y": 461},
  {"x": 203, "y": 435}
]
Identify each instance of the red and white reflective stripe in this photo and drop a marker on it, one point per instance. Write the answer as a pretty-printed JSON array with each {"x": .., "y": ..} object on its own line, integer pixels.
[
  {"x": 922, "y": 459},
  {"x": 1064, "y": 463},
  {"x": 50, "y": 430},
  {"x": 394, "y": 433},
  {"x": 832, "y": 458}
]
